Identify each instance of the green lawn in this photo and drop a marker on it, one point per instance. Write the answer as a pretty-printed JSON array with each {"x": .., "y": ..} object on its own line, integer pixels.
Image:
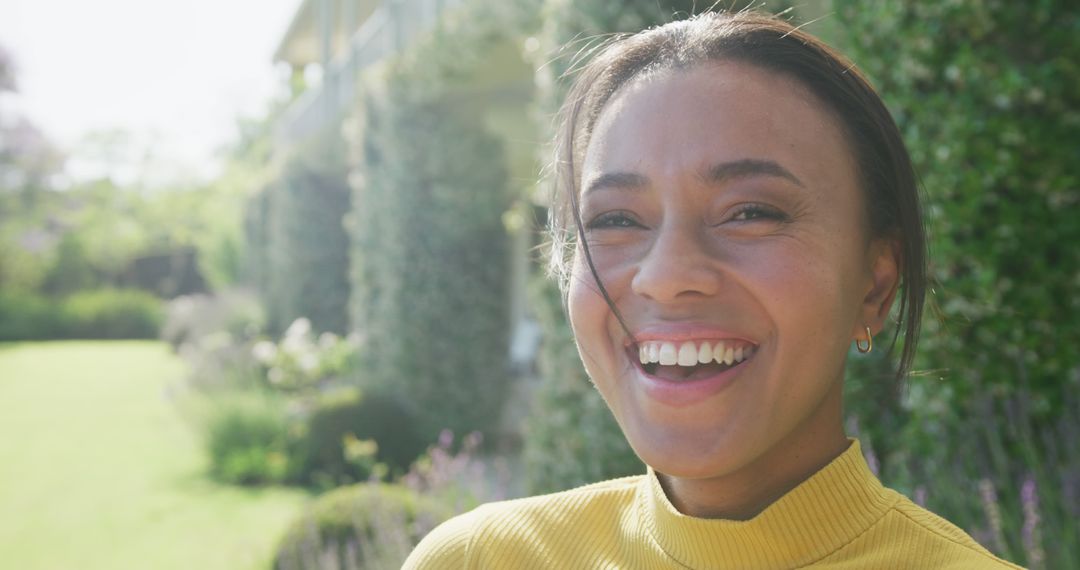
[{"x": 97, "y": 470}]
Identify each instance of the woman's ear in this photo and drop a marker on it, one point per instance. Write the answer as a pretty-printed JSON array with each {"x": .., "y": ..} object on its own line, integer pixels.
[{"x": 884, "y": 262}]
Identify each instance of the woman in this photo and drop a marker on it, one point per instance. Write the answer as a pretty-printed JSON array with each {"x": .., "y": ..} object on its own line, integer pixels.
[{"x": 735, "y": 208}]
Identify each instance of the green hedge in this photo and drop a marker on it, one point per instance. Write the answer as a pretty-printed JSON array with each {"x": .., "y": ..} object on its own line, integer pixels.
[
  {"x": 988, "y": 98},
  {"x": 299, "y": 249},
  {"x": 96, "y": 314},
  {"x": 431, "y": 263},
  {"x": 369, "y": 526},
  {"x": 247, "y": 438},
  {"x": 319, "y": 449},
  {"x": 258, "y": 438}
]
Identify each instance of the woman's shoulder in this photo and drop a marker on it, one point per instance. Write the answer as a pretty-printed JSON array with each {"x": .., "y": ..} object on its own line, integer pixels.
[
  {"x": 909, "y": 530},
  {"x": 507, "y": 524}
]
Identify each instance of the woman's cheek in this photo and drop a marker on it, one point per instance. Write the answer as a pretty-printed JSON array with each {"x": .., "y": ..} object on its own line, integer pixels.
[{"x": 586, "y": 309}]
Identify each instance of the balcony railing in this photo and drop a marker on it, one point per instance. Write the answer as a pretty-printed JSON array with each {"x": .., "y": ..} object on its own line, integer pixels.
[{"x": 390, "y": 28}]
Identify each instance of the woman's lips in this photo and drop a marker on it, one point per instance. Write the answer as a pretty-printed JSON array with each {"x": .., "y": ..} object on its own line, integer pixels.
[{"x": 668, "y": 385}]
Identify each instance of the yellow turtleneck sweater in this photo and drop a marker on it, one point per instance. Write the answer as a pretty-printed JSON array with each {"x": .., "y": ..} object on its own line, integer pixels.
[{"x": 839, "y": 518}]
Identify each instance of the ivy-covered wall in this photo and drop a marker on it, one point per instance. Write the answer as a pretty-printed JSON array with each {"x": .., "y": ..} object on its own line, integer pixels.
[
  {"x": 431, "y": 256},
  {"x": 308, "y": 255}
]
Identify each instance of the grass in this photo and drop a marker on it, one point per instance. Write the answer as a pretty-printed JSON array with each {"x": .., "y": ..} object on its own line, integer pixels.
[{"x": 98, "y": 471}]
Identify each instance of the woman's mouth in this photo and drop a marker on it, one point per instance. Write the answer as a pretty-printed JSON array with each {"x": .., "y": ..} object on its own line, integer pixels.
[{"x": 688, "y": 361}]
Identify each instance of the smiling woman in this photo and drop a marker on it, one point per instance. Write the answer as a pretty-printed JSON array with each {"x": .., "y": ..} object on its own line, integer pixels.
[{"x": 735, "y": 209}]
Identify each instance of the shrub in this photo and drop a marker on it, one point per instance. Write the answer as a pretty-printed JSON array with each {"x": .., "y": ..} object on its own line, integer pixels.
[
  {"x": 26, "y": 316},
  {"x": 114, "y": 314},
  {"x": 246, "y": 436},
  {"x": 100, "y": 314},
  {"x": 307, "y": 257},
  {"x": 189, "y": 318},
  {"x": 214, "y": 334},
  {"x": 71, "y": 269},
  {"x": 301, "y": 363},
  {"x": 432, "y": 257},
  {"x": 371, "y": 526},
  {"x": 219, "y": 363},
  {"x": 327, "y": 450}
]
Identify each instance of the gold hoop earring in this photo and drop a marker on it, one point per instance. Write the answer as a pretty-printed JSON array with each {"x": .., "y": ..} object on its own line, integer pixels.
[{"x": 869, "y": 342}]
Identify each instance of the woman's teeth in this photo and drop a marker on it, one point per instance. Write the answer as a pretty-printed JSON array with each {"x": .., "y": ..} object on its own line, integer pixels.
[{"x": 692, "y": 353}]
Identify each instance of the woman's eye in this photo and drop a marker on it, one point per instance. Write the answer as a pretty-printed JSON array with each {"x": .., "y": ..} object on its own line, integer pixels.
[
  {"x": 752, "y": 212},
  {"x": 612, "y": 220}
]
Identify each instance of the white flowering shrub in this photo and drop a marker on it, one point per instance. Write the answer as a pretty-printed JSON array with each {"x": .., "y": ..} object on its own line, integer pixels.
[{"x": 303, "y": 361}]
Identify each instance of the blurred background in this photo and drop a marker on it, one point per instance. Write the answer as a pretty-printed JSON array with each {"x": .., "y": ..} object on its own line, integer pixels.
[{"x": 271, "y": 293}]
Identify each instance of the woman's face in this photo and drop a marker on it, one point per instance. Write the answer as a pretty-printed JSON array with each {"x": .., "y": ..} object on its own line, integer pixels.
[{"x": 721, "y": 207}]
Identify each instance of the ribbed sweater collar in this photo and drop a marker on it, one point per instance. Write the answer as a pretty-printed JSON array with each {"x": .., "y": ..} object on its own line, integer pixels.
[{"x": 822, "y": 514}]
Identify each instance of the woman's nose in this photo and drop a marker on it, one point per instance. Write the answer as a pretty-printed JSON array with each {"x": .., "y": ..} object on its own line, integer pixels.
[{"x": 677, "y": 265}]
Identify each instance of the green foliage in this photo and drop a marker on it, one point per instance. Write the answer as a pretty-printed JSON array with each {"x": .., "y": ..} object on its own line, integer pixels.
[
  {"x": 370, "y": 526},
  {"x": 247, "y": 437},
  {"x": 21, "y": 267},
  {"x": 26, "y": 316},
  {"x": 221, "y": 256},
  {"x": 987, "y": 97},
  {"x": 71, "y": 269},
  {"x": 282, "y": 412},
  {"x": 301, "y": 363},
  {"x": 328, "y": 449},
  {"x": 431, "y": 262},
  {"x": 255, "y": 268},
  {"x": 306, "y": 248},
  {"x": 95, "y": 314},
  {"x": 114, "y": 313},
  {"x": 99, "y": 234}
]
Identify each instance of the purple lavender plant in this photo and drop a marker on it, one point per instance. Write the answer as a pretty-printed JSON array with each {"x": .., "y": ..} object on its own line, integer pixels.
[
  {"x": 992, "y": 508},
  {"x": 920, "y": 496},
  {"x": 1032, "y": 537},
  {"x": 461, "y": 479}
]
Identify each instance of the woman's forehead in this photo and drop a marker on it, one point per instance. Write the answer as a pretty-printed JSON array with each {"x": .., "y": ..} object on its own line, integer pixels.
[{"x": 674, "y": 121}]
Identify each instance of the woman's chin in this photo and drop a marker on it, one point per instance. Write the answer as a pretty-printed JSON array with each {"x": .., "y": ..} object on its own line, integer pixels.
[{"x": 689, "y": 455}]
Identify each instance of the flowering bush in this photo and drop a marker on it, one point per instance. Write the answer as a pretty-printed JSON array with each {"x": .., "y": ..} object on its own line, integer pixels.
[
  {"x": 303, "y": 362},
  {"x": 189, "y": 318},
  {"x": 459, "y": 479}
]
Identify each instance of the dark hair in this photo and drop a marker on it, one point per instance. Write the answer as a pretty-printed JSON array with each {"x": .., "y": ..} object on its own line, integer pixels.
[{"x": 884, "y": 166}]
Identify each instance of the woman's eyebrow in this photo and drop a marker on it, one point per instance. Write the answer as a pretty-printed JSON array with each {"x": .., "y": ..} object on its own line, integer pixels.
[
  {"x": 617, "y": 180},
  {"x": 725, "y": 171},
  {"x": 716, "y": 174}
]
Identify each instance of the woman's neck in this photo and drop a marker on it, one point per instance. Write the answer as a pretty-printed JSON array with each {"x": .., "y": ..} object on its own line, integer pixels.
[{"x": 744, "y": 494}]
